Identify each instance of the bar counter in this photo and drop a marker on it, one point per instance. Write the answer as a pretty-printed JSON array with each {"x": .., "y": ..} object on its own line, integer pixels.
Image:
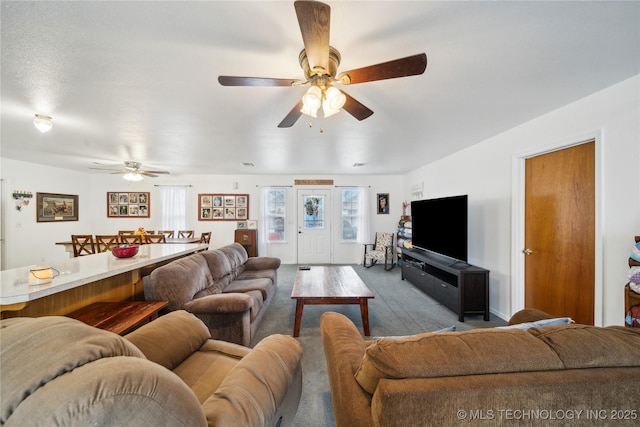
[{"x": 84, "y": 280}]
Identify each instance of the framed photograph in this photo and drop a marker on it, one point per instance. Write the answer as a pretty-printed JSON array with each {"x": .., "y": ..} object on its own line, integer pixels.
[
  {"x": 242, "y": 225},
  {"x": 252, "y": 224},
  {"x": 131, "y": 205},
  {"x": 56, "y": 207},
  {"x": 382, "y": 201},
  {"x": 223, "y": 207}
]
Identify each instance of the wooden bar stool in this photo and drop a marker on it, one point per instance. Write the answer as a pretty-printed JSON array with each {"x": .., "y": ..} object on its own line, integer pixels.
[
  {"x": 83, "y": 244},
  {"x": 104, "y": 242}
]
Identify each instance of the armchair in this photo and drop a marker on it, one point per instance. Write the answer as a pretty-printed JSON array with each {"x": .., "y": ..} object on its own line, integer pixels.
[
  {"x": 59, "y": 371},
  {"x": 381, "y": 250}
]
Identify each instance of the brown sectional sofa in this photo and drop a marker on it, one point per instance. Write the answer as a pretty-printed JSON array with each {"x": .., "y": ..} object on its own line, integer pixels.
[
  {"x": 224, "y": 288},
  {"x": 483, "y": 376},
  {"x": 58, "y": 371}
]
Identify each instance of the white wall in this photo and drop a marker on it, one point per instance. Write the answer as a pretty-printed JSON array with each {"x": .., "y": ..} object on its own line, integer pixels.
[
  {"x": 484, "y": 172},
  {"x": 27, "y": 242}
]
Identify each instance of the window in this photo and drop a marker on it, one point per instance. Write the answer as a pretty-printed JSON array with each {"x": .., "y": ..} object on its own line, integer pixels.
[
  {"x": 314, "y": 212},
  {"x": 274, "y": 215},
  {"x": 351, "y": 213},
  {"x": 173, "y": 210}
]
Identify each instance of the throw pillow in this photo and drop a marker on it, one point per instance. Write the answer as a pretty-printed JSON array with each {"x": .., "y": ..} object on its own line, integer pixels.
[{"x": 539, "y": 323}]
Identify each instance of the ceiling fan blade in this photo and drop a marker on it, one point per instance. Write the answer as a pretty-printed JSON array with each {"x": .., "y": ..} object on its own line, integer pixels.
[
  {"x": 154, "y": 172},
  {"x": 105, "y": 169},
  {"x": 355, "y": 108},
  {"x": 254, "y": 81},
  {"x": 292, "y": 117},
  {"x": 146, "y": 173},
  {"x": 314, "y": 19},
  {"x": 409, "y": 66}
]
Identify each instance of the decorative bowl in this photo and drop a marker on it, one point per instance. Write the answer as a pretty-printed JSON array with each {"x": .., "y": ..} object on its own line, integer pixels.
[{"x": 125, "y": 251}]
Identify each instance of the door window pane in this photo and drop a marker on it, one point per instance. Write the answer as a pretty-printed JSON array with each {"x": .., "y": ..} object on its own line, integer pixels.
[{"x": 313, "y": 212}]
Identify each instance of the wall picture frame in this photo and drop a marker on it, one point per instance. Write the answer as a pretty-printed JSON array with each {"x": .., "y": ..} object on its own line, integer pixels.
[
  {"x": 128, "y": 204},
  {"x": 52, "y": 207},
  {"x": 223, "y": 207},
  {"x": 382, "y": 203},
  {"x": 252, "y": 224}
]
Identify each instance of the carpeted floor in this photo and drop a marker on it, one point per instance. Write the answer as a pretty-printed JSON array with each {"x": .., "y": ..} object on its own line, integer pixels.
[{"x": 398, "y": 308}]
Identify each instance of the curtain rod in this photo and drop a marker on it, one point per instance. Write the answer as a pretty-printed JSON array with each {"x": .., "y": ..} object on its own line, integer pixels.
[{"x": 167, "y": 185}]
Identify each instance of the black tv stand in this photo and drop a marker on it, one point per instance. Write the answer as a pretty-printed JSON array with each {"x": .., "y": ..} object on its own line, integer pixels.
[{"x": 461, "y": 287}]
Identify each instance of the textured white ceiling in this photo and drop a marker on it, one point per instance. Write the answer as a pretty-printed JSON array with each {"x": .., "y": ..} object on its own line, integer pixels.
[{"x": 138, "y": 80}]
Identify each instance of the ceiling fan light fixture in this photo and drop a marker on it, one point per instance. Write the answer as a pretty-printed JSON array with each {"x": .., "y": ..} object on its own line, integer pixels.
[
  {"x": 43, "y": 123},
  {"x": 334, "y": 100},
  {"x": 132, "y": 176},
  {"x": 311, "y": 101}
]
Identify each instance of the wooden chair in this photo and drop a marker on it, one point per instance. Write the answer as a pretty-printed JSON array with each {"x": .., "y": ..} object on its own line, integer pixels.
[
  {"x": 126, "y": 231},
  {"x": 149, "y": 231},
  {"x": 168, "y": 233},
  {"x": 83, "y": 244},
  {"x": 381, "y": 250},
  {"x": 131, "y": 239},
  {"x": 104, "y": 242},
  {"x": 155, "y": 238},
  {"x": 205, "y": 237},
  {"x": 185, "y": 234}
]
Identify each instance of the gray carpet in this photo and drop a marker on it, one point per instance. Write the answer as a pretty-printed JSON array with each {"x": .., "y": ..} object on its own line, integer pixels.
[{"x": 398, "y": 308}]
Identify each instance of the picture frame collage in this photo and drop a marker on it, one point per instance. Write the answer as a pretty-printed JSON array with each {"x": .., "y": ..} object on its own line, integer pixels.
[
  {"x": 223, "y": 207},
  {"x": 122, "y": 204}
]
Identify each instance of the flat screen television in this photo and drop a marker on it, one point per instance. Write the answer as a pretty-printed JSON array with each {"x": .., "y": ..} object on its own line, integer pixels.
[{"x": 440, "y": 226}]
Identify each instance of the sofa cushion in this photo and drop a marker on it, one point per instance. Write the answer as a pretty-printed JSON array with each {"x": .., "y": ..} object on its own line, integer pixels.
[
  {"x": 220, "y": 268},
  {"x": 178, "y": 281},
  {"x": 479, "y": 351},
  {"x": 237, "y": 255},
  {"x": 49, "y": 338},
  {"x": 205, "y": 369},
  {"x": 583, "y": 346},
  {"x": 171, "y": 338},
  {"x": 241, "y": 286}
]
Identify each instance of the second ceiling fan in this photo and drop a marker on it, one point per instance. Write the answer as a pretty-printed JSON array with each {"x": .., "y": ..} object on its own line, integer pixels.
[{"x": 320, "y": 62}]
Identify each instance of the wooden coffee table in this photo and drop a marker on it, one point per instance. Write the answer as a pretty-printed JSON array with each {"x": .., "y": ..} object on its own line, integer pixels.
[{"x": 330, "y": 285}]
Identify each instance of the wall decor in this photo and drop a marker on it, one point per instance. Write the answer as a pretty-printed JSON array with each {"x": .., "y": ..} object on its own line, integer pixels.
[
  {"x": 382, "y": 203},
  {"x": 252, "y": 224},
  {"x": 223, "y": 207},
  {"x": 122, "y": 204},
  {"x": 56, "y": 207}
]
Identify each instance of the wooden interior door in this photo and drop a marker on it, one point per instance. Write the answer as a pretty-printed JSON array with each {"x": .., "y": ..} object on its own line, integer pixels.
[{"x": 560, "y": 232}]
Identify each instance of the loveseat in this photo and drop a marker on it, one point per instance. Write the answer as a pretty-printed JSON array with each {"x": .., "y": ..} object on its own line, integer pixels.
[
  {"x": 570, "y": 374},
  {"x": 223, "y": 287},
  {"x": 59, "y": 371}
]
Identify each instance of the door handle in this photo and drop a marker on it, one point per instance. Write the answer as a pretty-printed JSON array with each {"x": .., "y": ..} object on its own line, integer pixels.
[{"x": 527, "y": 251}]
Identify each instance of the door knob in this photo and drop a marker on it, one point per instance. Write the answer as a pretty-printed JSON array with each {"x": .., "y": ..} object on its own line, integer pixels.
[{"x": 527, "y": 251}]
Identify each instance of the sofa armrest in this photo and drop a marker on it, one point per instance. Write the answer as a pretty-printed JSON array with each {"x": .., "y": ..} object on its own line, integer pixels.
[
  {"x": 220, "y": 303},
  {"x": 170, "y": 339},
  {"x": 529, "y": 315},
  {"x": 254, "y": 390},
  {"x": 344, "y": 349},
  {"x": 262, "y": 263}
]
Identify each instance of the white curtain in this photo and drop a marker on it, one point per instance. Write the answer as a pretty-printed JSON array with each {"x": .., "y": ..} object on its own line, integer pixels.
[{"x": 173, "y": 207}]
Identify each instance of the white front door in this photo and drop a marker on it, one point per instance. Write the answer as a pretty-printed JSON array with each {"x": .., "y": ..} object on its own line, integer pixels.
[{"x": 314, "y": 226}]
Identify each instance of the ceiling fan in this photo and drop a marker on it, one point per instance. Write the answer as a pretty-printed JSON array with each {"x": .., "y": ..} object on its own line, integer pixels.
[
  {"x": 133, "y": 172},
  {"x": 320, "y": 62}
]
